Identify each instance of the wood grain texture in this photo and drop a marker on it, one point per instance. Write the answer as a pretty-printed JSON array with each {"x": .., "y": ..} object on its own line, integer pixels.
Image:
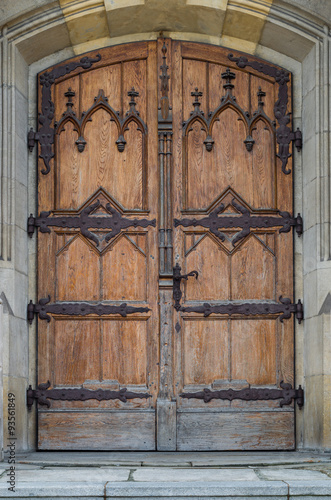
[
  {"x": 124, "y": 355},
  {"x": 124, "y": 259},
  {"x": 253, "y": 351},
  {"x": 208, "y": 258},
  {"x": 205, "y": 351},
  {"x": 235, "y": 431},
  {"x": 76, "y": 352},
  {"x": 102, "y": 352},
  {"x": 96, "y": 431}
]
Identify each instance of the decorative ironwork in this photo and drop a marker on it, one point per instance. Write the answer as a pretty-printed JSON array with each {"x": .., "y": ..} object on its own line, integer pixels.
[
  {"x": 284, "y": 134},
  {"x": 285, "y": 308},
  {"x": 286, "y": 395},
  {"x": 101, "y": 102},
  {"x": 246, "y": 221},
  {"x": 84, "y": 221},
  {"x": 228, "y": 100},
  {"x": 46, "y": 133},
  {"x": 42, "y": 395},
  {"x": 177, "y": 277},
  {"x": 165, "y": 117},
  {"x": 43, "y": 309}
]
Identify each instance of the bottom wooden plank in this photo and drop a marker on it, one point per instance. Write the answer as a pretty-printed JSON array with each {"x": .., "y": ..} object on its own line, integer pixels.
[
  {"x": 235, "y": 431},
  {"x": 96, "y": 431}
]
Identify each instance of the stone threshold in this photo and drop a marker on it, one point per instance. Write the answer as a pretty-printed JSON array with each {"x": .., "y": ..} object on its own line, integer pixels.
[{"x": 157, "y": 475}]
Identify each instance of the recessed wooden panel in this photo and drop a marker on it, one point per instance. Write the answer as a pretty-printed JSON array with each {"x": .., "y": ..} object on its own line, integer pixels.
[
  {"x": 263, "y": 154},
  {"x": 195, "y": 77},
  {"x": 97, "y": 431},
  {"x": 124, "y": 271},
  {"x": 135, "y": 75},
  {"x": 205, "y": 351},
  {"x": 125, "y": 351},
  {"x": 253, "y": 266},
  {"x": 253, "y": 351},
  {"x": 216, "y": 89},
  {"x": 108, "y": 79},
  {"x": 77, "y": 351},
  {"x": 78, "y": 271},
  {"x": 212, "y": 264},
  {"x": 235, "y": 431}
]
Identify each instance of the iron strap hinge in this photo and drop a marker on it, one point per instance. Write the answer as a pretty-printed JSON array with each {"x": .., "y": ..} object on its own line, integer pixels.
[
  {"x": 42, "y": 395},
  {"x": 286, "y": 394},
  {"x": 44, "y": 309},
  {"x": 85, "y": 220}
]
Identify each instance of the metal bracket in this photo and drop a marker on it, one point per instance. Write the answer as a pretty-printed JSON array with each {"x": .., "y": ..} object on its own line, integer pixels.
[
  {"x": 78, "y": 309},
  {"x": 286, "y": 394},
  {"x": 42, "y": 395},
  {"x": 33, "y": 137},
  {"x": 177, "y": 277}
]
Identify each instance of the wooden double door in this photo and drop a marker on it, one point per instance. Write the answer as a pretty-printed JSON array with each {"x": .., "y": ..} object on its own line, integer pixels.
[{"x": 154, "y": 154}]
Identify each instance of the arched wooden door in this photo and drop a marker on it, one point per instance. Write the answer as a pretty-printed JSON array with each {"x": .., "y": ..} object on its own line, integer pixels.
[{"x": 154, "y": 155}]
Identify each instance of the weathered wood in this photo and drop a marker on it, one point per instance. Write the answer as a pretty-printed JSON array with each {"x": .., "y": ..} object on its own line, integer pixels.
[
  {"x": 96, "y": 431},
  {"x": 73, "y": 351},
  {"x": 165, "y": 352},
  {"x": 166, "y": 425},
  {"x": 249, "y": 350},
  {"x": 235, "y": 431}
]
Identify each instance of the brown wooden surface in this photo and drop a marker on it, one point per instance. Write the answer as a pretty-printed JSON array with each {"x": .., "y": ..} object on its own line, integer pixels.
[
  {"x": 164, "y": 352},
  {"x": 218, "y": 352},
  {"x": 107, "y": 352}
]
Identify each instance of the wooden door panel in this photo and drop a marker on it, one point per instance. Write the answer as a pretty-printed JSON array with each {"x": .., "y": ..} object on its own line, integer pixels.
[
  {"x": 154, "y": 144},
  {"x": 225, "y": 165},
  {"x": 101, "y": 253},
  {"x": 239, "y": 431}
]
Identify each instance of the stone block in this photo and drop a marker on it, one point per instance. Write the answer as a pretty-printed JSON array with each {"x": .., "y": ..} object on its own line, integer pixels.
[
  {"x": 21, "y": 159},
  {"x": 69, "y": 475},
  {"x": 17, "y": 386},
  {"x": 311, "y": 488},
  {"x": 310, "y": 295},
  {"x": 212, "y": 489},
  {"x": 44, "y": 41},
  {"x": 287, "y": 40},
  {"x": 309, "y": 72},
  {"x": 309, "y": 240},
  {"x": 309, "y": 163},
  {"x": 86, "y": 25},
  {"x": 247, "y": 25},
  {"x": 309, "y": 124},
  {"x": 165, "y": 474},
  {"x": 20, "y": 250},
  {"x": 21, "y": 294},
  {"x": 21, "y": 74},
  {"x": 41, "y": 490},
  {"x": 313, "y": 346},
  {"x": 281, "y": 474},
  {"x": 18, "y": 347},
  {"x": 21, "y": 114},
  {"x": 310, "y": 210},
  {"x": 313, "y": 411}
]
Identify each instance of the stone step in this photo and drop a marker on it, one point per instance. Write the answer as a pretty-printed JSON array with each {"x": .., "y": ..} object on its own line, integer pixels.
[{"x": 101, "y": 482}]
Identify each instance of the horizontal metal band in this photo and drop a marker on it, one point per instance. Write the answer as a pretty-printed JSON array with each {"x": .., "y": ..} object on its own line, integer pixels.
[
  {"x": 214, "y": 222},
  {"x": 43, "y": 394},
  {"x": 284, "y": 307},
  {"x": 83, "y": 221},
  {"x": 79, "y": 309},
  {"x": 286, "y": 394}
]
